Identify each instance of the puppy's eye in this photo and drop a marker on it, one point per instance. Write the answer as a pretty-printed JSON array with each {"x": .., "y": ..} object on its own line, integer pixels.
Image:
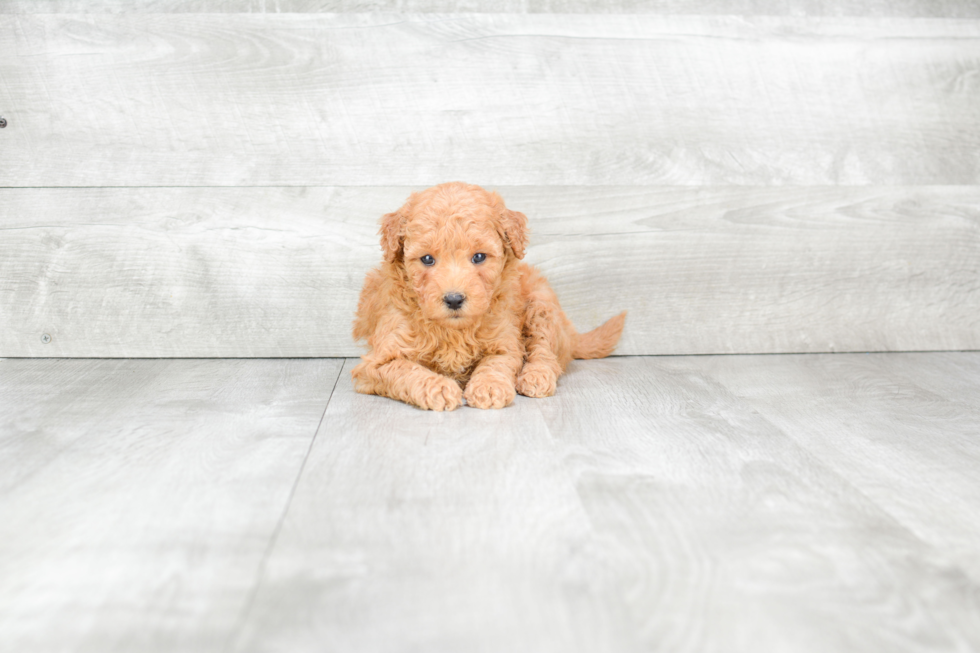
[
  {"x": 428, "y": 260},
  {"x": 479, "y": 257}
]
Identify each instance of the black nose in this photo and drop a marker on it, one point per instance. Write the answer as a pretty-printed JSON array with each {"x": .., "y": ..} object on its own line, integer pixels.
[{"x": 453, "y": 300}]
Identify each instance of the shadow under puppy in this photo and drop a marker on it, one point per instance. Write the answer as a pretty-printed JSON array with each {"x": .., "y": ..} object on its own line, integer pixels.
[{"x": 453, "y": 314}]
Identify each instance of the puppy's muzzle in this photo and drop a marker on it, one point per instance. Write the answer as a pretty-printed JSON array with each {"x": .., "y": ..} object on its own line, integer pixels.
[{"x": 453, "y": 300}]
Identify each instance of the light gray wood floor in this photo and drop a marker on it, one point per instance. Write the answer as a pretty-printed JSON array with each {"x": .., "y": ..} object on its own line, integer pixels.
[{"x": 707, "y": 503}]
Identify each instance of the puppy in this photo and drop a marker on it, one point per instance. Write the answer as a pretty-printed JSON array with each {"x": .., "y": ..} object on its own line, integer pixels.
[{"x": 453, "y": 313}]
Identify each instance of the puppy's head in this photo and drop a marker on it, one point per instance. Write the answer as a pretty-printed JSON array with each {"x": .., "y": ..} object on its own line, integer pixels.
[{"x": 454, "y": 242}]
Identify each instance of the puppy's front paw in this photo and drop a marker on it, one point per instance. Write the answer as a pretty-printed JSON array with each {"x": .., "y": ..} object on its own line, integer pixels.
[
  {"x": 537, "y": 381},
  {"x": 440, "y": 393},
  {"x": 489, "y": 392}
]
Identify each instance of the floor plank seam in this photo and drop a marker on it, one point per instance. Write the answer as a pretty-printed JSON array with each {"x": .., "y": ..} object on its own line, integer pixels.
[
  {"x": 249, "y": 603},
  {"x": 885, "y": 513}
]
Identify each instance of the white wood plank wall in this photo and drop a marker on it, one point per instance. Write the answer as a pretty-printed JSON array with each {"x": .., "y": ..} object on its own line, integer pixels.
[
  {"x": 903, "y": 8},
  {"x": 742, "y": 176}
]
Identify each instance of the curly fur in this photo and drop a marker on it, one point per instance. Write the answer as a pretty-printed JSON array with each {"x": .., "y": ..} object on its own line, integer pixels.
[{"x": 510, "y": 334}]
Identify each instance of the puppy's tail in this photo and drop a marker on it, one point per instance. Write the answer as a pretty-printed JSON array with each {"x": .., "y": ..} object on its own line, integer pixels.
[{"x": 599, "y": 342}]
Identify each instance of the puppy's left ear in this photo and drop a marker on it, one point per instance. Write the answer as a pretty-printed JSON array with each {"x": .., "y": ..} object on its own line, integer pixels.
[{"x": 513, "y": 226}]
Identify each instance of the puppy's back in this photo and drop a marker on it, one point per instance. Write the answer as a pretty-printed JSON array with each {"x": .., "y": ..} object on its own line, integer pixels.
[{"x": 370, "y": 305}]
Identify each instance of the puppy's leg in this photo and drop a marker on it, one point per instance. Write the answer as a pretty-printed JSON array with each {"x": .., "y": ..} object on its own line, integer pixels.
[
  {"x": 539, "y": 376},
  {"x": 492, "y": 382},
  {"x": 548, "y": 337},
  {"x": 407, "y": 381}
]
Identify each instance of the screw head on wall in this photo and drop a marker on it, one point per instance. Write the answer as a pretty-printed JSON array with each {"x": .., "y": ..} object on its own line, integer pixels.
[
  {"x": 3, "y": 122},
  {"x": 45, "y": 338}
]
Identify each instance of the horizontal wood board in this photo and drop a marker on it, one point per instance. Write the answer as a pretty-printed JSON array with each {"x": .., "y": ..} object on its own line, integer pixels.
[
  {"x": 159, "y": 272},
  {"x": 903, "y": 8},
  {"x": 139, "y": 498},
  {"x": 235, "y": 99}
]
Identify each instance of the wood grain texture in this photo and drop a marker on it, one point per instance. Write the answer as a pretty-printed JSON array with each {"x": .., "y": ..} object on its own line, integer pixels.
[
  {"x": 730, "y": 533},
  {"x": 186, "y": 272},
  {"x": 276, "y": 271},
  {"x": 706, "y": 503},
  {"x": 417, "y": 531},
  {"x": 522, "y": 99},
  {"x": 905, "y": 8},
  {"x": 903, "y": 429},
  {"x": 138, "y": 498}
]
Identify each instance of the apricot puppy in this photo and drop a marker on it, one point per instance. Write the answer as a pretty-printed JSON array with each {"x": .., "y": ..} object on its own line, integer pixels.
[{"x": 453, "y": 313}]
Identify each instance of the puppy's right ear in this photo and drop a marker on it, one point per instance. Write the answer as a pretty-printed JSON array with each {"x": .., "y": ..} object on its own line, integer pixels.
[{"x": 392, "y": 232}]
